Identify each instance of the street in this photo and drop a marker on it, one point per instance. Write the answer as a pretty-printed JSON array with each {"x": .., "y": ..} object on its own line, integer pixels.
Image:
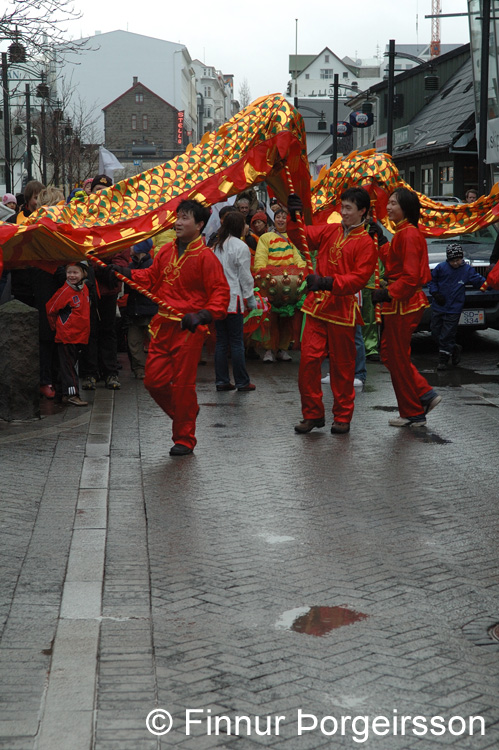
[{"x": 273, "y": 589}]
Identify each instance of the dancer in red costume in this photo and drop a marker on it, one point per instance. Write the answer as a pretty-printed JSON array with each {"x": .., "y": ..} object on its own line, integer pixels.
[
  {"x": 189, "y": 277},
  {"x": 407, "y": 270},
  {"x": 345, "y": 262}
]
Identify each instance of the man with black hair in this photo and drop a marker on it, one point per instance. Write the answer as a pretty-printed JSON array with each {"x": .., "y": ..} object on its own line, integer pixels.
[
  {"x": 346, "y": 257},
  {"x": 189, "y": 278}
]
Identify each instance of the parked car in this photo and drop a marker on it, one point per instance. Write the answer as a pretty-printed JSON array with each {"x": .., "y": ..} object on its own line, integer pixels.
[
  {"x": 445, "y": 199},
  {"x": 481, "y": 309}
]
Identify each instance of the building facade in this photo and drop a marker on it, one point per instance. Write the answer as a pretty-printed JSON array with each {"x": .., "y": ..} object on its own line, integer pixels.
[
  {"x": 215, "y": 96},
  {"x": 475, "y": 8},
  {"x": 434, "y": 144},
  {"x": 101, "y": 72},
  {"x": 313, "y": 75},
  {"x": 143, "y": 129}
]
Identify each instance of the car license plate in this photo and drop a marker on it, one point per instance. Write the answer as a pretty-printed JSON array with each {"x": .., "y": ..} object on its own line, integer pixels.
[{"x": 472, "y": 318}]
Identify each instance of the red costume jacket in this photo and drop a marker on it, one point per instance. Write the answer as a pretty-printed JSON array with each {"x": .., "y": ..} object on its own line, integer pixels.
[
  {"x": 68, "y": 313},
  {"x": 193, "y": 282},
  {"x": 407, "y": 269},
  {"x": 349, "y": 260}
]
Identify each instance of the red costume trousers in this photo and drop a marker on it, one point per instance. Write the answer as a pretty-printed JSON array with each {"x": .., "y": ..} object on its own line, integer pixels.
[
  {"x": 320, "y": 339},
  {"x": 409, "y": 385},
  {"x": 170, "y": 377}
]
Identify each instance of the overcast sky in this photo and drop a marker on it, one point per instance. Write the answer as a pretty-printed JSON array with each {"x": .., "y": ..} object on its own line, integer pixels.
[{"x": 253, "y": 40}]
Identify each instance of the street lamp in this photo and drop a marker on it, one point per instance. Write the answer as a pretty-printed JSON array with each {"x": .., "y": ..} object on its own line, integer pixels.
[{"x": 200, "y": 115}]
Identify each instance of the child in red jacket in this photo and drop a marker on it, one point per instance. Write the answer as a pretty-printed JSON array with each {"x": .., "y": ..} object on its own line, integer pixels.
[{"x": 68, "y": 312}]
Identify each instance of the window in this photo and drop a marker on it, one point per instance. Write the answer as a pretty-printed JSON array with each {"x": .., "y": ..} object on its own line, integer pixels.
[
  {"x": 446, "y": 180},
  {"x": 139, "y": 98},
  {"x": 207, "y": 111},
  {"x": 427, "y": 180},
  {"x": 345, "y": 74},
  {"x": 326, "y": 73},
  {"x": 134, "y": 122},
  {"x": 307, "y": 76},
  {"x": 326, "y": 58},
  {"x": 207, "y": 91},
  {"x": 145, "y": 122}
]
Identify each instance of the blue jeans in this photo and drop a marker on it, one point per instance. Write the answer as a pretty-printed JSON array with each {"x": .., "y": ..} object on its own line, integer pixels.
[
  {"x": 360, "y": 358},
  {"x": 230, "y": 333},
  {"x": 444, "y": 329}
]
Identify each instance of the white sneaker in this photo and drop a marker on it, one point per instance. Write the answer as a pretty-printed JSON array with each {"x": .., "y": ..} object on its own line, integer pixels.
[
  {"x": 268, "y": 356},
  {"x": 326, "y": 378},
  {"x": 358, "y": 383},
  {"x": 283, "y": 356},
  {"x": 402, "y": 422}
]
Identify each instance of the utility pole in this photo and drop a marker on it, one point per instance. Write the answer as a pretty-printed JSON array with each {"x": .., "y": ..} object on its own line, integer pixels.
[
  {"x": 391, "y": 96},
  {"x": 484, "y": 95},
  {"x": 296, "y": 64},
  {"x": 334, "y": 154},
  {"x": 6, "y": 125},
  {"x": 29, "y": 157}
]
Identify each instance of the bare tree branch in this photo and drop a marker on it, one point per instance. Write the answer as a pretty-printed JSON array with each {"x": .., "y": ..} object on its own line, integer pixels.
[
  {"x": 39, "y": 24},
  {"x": 244, "y": 93}
]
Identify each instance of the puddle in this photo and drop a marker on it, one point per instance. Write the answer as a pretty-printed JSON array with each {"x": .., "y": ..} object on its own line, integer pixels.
[
  {"x": 274, "y": 539},
  {"x": 457, "y": 377},
  {"x": 428, "y": 437},
  {"x": 318, "y": 620},
  {"x": 480, "y": 403}
]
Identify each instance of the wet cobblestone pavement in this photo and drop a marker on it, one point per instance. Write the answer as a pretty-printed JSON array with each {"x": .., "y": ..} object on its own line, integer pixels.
[{"x": 266, "y": 575}]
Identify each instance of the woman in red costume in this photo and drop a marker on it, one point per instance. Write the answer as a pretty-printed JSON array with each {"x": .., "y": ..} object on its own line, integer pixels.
[
  {"x": 189, "y": 277},
  {"x": 407, "y": 270}
]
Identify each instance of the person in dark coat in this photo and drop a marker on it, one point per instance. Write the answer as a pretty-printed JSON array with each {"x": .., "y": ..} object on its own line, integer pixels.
[{"x": 139, "y": 310}]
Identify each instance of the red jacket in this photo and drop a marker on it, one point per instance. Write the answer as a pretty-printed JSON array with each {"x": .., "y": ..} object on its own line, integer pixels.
[
  {"x": 349, "y": 260},
  {"x": 407, "y": 269},
  {"x": 68, "y": 313},
  {"x": 193, "y": 282}
]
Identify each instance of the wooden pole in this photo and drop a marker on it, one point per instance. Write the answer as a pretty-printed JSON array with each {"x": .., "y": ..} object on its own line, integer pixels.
[{"x": 301, "y": 225}]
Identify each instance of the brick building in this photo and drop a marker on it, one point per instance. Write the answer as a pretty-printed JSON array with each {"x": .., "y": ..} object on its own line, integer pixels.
[{"x": 142, "y": 128}]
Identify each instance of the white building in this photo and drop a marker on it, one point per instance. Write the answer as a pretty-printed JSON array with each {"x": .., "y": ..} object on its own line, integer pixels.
[
  {"x": 101, "y": 72},
  {"x": 215, "y": 96},
  {"x": 313, "y": 75}
]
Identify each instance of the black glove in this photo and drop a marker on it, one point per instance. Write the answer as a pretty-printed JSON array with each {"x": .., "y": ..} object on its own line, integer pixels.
[
  {"x": 439, "y": 298},
  {"x": 317, "y": 283},
  {"x": 380, "y": 295},
  {"x": 294, "y": 205},
  {"x": 191, "y": 321},
  {"x": 123, "y": 270}
]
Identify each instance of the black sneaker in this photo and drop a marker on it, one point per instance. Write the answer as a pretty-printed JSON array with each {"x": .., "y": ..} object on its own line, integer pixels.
[
  {"x": 456, "y": 354},
  {"x": 443, "y": 361},
  {"x": 89, "y": 384},
  {"x": 113, "y": 383},
  {"x": 180, "y": 450}
]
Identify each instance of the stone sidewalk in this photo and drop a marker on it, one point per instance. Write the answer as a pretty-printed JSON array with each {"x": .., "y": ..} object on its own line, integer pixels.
[{"x": 132, "y": 581}]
